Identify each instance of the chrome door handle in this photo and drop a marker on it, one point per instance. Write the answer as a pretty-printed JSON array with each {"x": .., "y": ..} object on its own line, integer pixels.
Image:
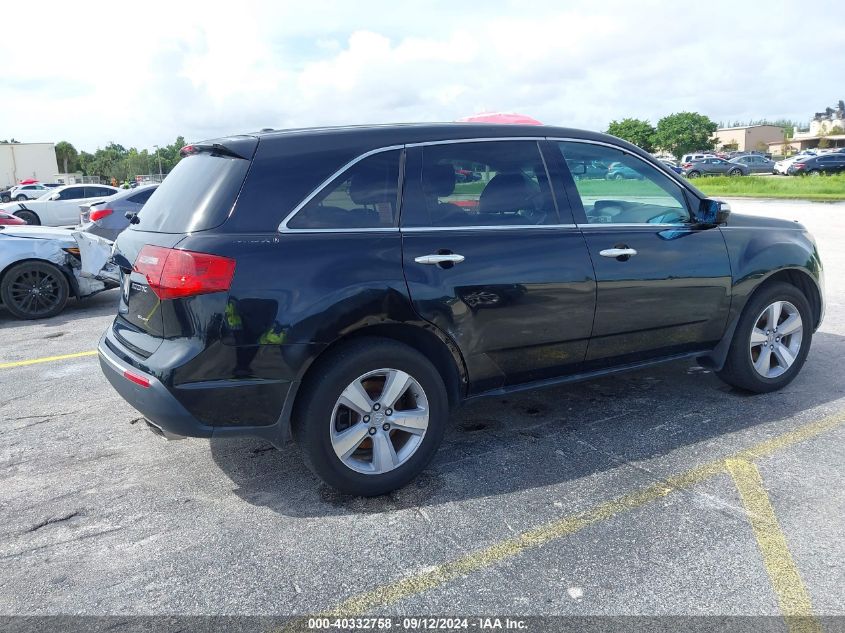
[
  {"x": 618, "y": 252},
  {"x": 451, "y": 258}
]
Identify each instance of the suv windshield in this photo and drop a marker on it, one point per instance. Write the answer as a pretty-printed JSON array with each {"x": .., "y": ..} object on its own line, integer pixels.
[{"x": 196, "y": 196}]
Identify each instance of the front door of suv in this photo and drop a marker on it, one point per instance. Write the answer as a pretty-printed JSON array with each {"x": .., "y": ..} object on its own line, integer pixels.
[
  {"x": 664, "y": 282},
  {"x": 490, "y": 262}
]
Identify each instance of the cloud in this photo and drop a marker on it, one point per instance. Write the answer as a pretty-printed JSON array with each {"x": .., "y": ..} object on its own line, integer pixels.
[{"x": 202, "y": 70}]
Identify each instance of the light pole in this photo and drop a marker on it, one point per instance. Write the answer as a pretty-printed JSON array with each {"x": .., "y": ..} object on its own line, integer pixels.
[{"x": 160, "y": 178}]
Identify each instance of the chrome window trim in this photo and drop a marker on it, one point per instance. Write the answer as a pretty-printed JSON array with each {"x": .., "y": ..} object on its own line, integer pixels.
[
  {"x": 283, "y": 227},
  {"x": 375, "y": 229},
  {"x": 645, "y": 225},
  {"x": 496, "y": 227},
  {"x": 479, "y": 139}
]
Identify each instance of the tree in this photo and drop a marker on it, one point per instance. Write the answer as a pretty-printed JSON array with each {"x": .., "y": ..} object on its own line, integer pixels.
[
  {"x": 66, "y": 155},
  {"x": 685, "y": 132},
  {"x": 636, "y": 131}
]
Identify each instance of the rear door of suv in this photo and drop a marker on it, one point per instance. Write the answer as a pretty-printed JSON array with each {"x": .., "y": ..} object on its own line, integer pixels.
[{"x": 494, "y": 263}]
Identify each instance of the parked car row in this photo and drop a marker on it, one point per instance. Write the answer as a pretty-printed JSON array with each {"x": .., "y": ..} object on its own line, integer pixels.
[
  {"x": 41, "y": 267},
  {"x": 806, "y": 163}
]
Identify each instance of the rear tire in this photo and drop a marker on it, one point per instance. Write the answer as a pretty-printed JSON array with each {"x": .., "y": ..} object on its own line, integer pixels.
[
  {"x": 784, "y": 347},
  {"x": 358, "y": 445},
  {"x": 20, "y": 283},
  {"x": 814, "y": 172},
  {"x": 29, "y": 217}
]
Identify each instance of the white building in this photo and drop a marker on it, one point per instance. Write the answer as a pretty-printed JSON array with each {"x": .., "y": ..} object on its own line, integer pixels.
[{"x": 19, "y": 161}]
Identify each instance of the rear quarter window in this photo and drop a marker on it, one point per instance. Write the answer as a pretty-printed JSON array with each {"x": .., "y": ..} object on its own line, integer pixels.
[{"x": 196, "y": 196}]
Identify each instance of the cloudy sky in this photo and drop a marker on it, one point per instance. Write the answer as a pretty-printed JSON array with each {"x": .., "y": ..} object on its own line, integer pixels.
[{"x": 91, "y": 73}]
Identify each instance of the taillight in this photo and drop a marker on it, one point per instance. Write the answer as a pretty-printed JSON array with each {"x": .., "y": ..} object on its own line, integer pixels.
[
  {"x": 173, "y": 274},
  {"x": 686, "y": 165},
  {"x": 99, "y": 214},
  {"x": 799, "y": 165}
]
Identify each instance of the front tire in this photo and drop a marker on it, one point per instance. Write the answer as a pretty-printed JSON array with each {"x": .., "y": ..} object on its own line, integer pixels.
[
  {"x": 371, "y": 416},
  {"x": 21, "y": 198},
  {"x": 34, "y": 290},
  {"x": 735, "y": 172},
  {"x": 771, "y": 341},
  {"x": 693, "y": 174}
]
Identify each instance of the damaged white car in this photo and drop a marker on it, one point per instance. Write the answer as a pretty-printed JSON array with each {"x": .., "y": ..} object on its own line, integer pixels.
[{"x": 41, "y": 267}]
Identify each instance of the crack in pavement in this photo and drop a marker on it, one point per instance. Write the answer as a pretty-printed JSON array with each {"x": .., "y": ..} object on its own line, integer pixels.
[
  {"x": 70, "y": 540},
  {"x": 52, "y": 520}
]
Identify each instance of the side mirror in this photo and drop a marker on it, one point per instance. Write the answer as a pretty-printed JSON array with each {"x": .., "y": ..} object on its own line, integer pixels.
[
  {"x": 55, "y": 196},
  {"x": 578, "y": 168},
  {"x": 713, "y": 212}
]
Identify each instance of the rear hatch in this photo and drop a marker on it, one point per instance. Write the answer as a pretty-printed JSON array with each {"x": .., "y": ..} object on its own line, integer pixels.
[{"x": 198, "y": 195}]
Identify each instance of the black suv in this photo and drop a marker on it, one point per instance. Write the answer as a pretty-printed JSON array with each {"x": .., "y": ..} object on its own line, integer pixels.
[{"x": 343, "y": 288}]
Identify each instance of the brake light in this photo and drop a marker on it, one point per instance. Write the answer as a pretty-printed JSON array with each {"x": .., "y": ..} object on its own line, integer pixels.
[
  {"x": 173, "y": 274},
  {"x": 686, "y": 165},
  {"x": 799, "y": 165},
  {"x": 99, "y": 214}
]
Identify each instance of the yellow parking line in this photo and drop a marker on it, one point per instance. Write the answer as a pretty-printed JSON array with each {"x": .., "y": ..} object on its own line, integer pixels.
[
  {"x": 46, "y": 359},
  {"x": 440, "y": 574},
  {"x": 793, "y": 598}
]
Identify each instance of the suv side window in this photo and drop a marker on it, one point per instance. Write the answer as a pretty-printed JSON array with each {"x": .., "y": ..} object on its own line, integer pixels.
[
  {"x": 365, "y": 196},
  {"x": 637, "y": 194},
  {"x": 490, "y": 183}
]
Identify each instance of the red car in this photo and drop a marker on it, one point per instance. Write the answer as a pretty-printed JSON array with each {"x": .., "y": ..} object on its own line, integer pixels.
[{"x": 8, "y": 218}]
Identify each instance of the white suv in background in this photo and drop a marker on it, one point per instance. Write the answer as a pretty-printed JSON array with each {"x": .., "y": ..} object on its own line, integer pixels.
[{"x": 27, "y": 192}]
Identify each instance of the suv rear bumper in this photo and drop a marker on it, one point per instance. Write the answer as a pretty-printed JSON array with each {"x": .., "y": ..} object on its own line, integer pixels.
[
  {"x": 155, "y": 402},
  {"x": 168, "y": 416}
]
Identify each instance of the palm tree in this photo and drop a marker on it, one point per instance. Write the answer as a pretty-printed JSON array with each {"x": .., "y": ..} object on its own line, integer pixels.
[{"x": 66, "y": 154}]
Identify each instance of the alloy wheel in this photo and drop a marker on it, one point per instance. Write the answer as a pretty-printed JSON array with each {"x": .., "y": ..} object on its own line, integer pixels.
[
  {"x": 35, "y": 292},
  {"x": 776, "y": 339},
  {"x": 379, "y": 421}
]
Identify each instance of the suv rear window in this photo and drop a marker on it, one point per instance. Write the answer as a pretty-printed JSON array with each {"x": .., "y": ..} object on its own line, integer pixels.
[{"x": 196, "y": 196}]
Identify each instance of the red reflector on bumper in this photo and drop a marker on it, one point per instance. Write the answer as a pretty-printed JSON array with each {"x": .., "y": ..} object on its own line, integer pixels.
[{"x": 138, "y": 380}]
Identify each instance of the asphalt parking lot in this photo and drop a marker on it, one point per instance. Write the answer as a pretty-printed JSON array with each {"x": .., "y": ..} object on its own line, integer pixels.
[{"x": 659, "y": 492}]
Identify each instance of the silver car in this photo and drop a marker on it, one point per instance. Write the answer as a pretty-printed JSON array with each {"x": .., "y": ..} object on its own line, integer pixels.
[
  {"x": 107, "y": 217},
  {"x": 714, "y": 167},
  {"x": 756, "y": 163}
]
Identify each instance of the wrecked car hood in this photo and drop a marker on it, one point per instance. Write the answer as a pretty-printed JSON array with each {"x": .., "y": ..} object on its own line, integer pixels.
[{"x": 38, "y": 232}]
